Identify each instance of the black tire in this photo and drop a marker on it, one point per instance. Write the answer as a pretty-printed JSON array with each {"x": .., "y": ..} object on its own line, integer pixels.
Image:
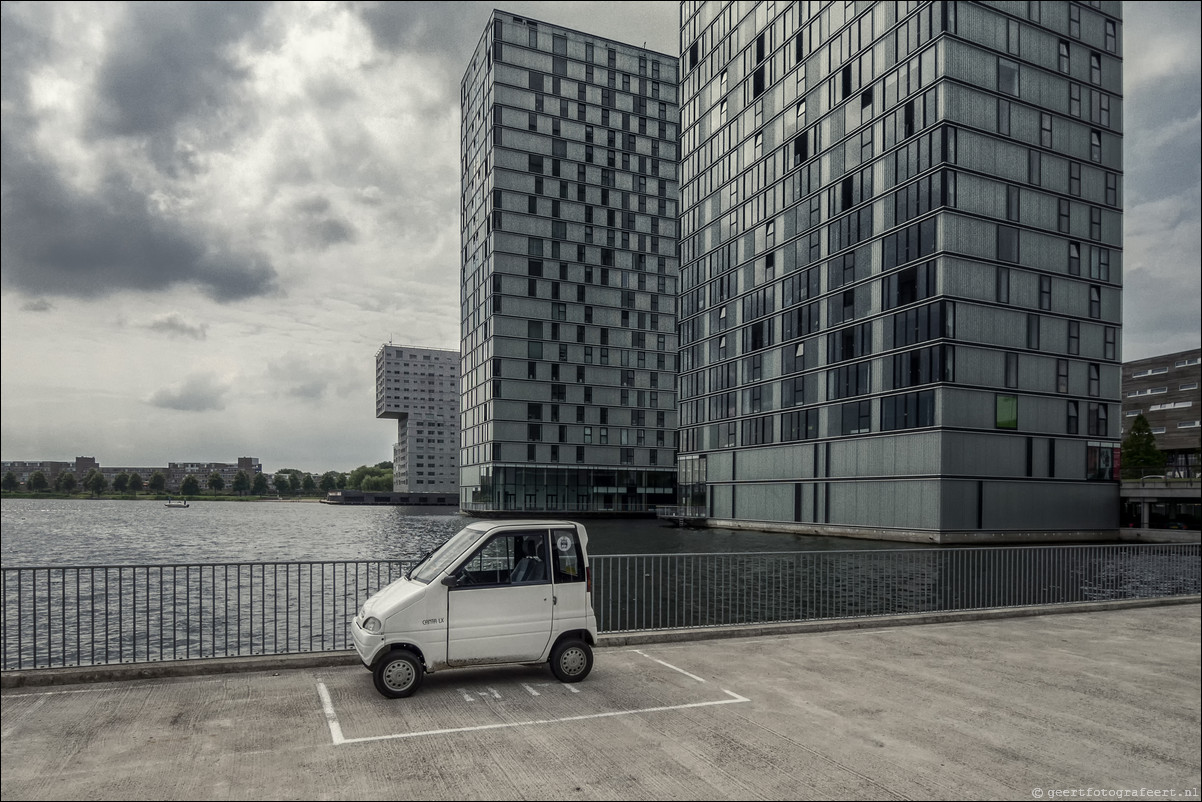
[
  {"x": 571, "y": 660},
  {"x": 398, "y": 674}
]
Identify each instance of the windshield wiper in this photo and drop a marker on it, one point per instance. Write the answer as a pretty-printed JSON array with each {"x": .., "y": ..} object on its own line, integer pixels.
[{"x": 412, "y": 568}]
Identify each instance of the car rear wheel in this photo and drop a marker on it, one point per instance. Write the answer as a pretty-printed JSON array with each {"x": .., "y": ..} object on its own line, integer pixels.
[
  {"x": 571, "y": 660},
  {"x": 398, "y": 674}
]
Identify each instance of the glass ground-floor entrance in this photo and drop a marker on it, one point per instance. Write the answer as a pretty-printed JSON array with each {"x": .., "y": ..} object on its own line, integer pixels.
[{"x": 555, "y": 489}]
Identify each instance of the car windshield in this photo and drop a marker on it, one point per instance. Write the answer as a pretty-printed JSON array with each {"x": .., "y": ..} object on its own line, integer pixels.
[{"x": 442, "y": 557}]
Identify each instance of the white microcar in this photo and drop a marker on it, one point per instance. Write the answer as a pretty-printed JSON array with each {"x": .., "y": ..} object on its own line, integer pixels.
[{"x": 497, "y": 592}]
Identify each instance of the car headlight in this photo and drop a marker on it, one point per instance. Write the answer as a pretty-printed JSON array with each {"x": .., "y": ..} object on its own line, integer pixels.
[{"x": 372, "y": 625}]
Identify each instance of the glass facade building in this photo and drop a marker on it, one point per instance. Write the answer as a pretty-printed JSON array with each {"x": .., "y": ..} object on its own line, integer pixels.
[
  {"x": 901, "y": 267},
  {"x": 569, "y": 270}
]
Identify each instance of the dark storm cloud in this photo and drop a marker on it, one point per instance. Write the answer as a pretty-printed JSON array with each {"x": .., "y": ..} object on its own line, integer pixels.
[
  {"x": 169, "y": 64},
  {"x": 37, "y": 305},
  {"x": 57, "y": 241},
  {"x": 442, "y": 30},
  {"x": 200, "y": 393}
]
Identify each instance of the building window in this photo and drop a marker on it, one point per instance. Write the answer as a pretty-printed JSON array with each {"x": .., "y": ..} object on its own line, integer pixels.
[
  {"x": 1012, "y": 370},
  {"x": 1095, "y": 302},
  {"x": 1007, "y": 77},
  {"x": 1006, "y": 412},
  {"x": 1074, "y": 100},
  {"x": 1099, "y": 263},
  {"x": 856, "y": 417},
  {"x": 1095, "y": 379},
  {"x": 1012, "y": 203},
  {"x": 1007, "y": 244},
  {"x": 1012, "y": 37},
  {"x": 1095, "y": 146},
  {"x": 1063, "y": 216},
  {"x": 1062, "y": 375},
  {"x": 1045, "y": 129},
  {"x": 1074, "y": 258},
  {"x": 1064, "y": 56},
  {"x": 1071, "y": 425},
  {"x": 908, "y": 411},
  {"x": 1074, "y": 337},
  {"x": 1033, "y": 332},
  {"x": 1095, "y": 68},
  {"x": 1045, "y": 292}
]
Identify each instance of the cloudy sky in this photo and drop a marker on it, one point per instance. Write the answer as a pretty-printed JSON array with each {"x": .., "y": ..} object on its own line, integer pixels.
[{"x": 215, "y": 214}]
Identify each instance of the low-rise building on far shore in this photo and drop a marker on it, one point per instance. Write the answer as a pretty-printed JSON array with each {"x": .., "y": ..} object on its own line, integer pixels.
[
  {"x": 1165, "y": 390},
  {"x": 174, "y": 472}
]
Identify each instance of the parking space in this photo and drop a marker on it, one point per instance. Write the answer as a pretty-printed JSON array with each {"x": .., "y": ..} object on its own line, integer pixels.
[
  {"x": 623, "y": 683},
  {"x": 995, "y": 709}
]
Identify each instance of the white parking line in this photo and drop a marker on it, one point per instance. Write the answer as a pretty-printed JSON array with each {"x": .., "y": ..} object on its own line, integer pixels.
[
  {"x": 338, "y": 739},
  {"x": 327, "y": 705},
  {"x": 669, "y": 665}
]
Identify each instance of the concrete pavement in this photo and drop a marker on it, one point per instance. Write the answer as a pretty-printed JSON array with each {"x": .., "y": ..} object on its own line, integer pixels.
[{"x": 974, "y": 707}]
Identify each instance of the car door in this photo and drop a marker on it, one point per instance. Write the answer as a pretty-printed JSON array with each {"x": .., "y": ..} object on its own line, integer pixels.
[
  {"x": 569, "y": 570},
  {"x": 499, "y": 609}
]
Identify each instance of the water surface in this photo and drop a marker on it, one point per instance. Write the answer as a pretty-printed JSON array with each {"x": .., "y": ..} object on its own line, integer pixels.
[{"x": 110, "y": 532}]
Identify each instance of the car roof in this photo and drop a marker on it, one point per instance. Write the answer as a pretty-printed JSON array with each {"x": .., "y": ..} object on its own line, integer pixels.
[{"x": 523, "y": 524}]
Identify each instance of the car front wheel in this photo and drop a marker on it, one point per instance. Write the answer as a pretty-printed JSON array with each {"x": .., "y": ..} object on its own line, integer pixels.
[
  {"x": 571, "y": 660},
  {"x": 398, "y": 674}
]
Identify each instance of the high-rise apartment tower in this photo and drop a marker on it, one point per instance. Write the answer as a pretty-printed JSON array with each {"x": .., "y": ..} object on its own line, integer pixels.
[
  {"x": 901, "y": 267},
  {"x": 419, "y": 388},
  {"x": 569, "y": 272}
]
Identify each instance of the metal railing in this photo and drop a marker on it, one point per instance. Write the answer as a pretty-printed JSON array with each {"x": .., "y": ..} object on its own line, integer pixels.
[
  {"x": 79, "y": 616},
  {"x": 682, "y": 591}
]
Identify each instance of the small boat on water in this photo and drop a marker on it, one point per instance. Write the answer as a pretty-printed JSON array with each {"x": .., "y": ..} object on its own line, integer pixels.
[{"x": 182, "y": 502}]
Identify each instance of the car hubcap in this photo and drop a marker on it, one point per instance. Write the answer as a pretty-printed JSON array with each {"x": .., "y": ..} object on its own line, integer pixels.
[
  {"x": 573, "y": 661},
  {"x": 398, "y": 675}
]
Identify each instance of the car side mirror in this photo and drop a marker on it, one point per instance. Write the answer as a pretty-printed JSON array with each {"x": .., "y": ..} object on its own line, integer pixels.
[{"x": 450, "y": 581}]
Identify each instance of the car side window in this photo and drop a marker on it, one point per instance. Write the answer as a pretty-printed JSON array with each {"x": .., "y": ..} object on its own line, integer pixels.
[
  {"x": 569, "y": 559},
  {"x": 530, "y": 555},
  {"x": 511, "y": 558}
]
